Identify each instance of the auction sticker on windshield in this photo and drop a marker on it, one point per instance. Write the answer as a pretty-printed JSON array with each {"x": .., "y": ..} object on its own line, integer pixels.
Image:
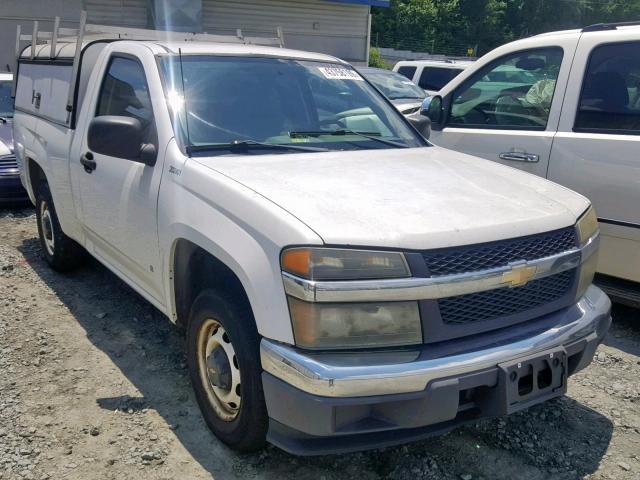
[{"x": 340, "y": 73}]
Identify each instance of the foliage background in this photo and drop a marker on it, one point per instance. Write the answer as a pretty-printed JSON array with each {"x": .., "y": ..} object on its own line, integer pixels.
[{"x": 452, "y": 26}]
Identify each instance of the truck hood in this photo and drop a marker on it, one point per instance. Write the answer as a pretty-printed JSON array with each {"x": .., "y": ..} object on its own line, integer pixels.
[{"x": 416, "y": 198}]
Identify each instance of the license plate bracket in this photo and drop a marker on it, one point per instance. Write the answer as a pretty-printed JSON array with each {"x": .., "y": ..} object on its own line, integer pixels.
[{"x": 533, "y": 379}]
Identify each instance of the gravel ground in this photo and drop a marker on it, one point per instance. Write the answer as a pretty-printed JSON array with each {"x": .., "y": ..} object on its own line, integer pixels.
[{"x": 93, "y": 385}]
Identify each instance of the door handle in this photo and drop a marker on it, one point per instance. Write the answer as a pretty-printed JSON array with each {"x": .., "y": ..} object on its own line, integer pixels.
[
  {"x": 520, "y": 157},
  {"x": 88, "y": 162}
]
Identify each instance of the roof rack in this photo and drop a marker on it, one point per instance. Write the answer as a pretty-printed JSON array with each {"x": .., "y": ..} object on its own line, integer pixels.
[
  {"x": 61, "y": 35},
  {"x": 597, "y": 27}
]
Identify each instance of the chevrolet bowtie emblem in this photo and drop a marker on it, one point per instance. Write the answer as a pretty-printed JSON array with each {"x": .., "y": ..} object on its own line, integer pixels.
[{"x": 519, "y": 275}]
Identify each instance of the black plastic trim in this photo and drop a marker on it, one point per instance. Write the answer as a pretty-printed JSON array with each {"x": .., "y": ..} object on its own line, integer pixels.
[{"x": 620, "y": 223}]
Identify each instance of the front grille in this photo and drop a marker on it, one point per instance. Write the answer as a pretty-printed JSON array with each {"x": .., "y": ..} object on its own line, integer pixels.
[
  {"x": 503, "y": 302},
  {"x": 498, "y": 254},
  {"x": 8, "y": 163}
]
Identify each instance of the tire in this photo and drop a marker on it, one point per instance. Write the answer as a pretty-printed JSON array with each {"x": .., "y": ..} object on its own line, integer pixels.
[
  {"x": 60, "y": 252},
  {"x": 223, "y": 326}
]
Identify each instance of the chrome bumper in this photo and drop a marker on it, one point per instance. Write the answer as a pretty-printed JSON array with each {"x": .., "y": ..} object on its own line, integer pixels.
[{"x": 382, "y": 373}]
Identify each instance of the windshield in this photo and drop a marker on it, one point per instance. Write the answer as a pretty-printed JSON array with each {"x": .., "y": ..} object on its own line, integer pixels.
[
  {"x": 6, "y": 102},
  {"x": 394, "y": 86},
  {"x": 266, "y": 102}
]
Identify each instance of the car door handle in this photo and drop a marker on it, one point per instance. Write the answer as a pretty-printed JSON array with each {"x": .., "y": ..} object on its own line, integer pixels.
[
  {"x": 520, "y": 157},
  {"x": 88, "y": 162}
]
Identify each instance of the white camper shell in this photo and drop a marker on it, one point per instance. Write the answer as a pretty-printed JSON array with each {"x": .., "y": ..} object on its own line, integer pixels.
[{"x": 55, "y": 66}]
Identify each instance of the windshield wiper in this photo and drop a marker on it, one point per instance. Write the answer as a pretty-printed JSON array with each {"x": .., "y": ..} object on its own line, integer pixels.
[
  {"x": 343, "y": 132},
  {"x": 405, "y": 98},
  {"x": 246, "y": 145}
]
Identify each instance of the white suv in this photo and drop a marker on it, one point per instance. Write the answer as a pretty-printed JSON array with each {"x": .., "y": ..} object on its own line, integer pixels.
[
  {"x": 565, "y": 106},
  {"x": 431, "y": 75}
]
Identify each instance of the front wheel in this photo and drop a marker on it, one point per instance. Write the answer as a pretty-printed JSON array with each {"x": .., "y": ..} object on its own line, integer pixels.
[{"x": 224, "y": 365}]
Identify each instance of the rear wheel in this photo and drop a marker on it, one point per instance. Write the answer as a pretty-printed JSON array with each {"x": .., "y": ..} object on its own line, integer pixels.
[
  {"x": 224, "y": 365},
  {"x": 61, "y": 252}
]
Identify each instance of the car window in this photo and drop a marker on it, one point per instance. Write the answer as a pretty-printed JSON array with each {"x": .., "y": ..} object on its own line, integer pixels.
[
  {"x": 434, "y": 78},
  {"x": 407, "y": 71},
  {"x": 514, "y": 91},
  {"x": 393, "y": 85},
  {"x": 6, "y": 102},
  {"x": 124, "y": 92},
  {"x": 610, "y": 97}
]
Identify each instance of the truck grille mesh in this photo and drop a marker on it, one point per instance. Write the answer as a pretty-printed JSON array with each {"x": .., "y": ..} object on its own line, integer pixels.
[
  {"x": 503, "y": 302},
  {"x": 498, "y": 254}
]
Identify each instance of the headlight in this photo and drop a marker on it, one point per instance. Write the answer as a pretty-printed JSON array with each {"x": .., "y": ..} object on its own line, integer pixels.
[
  {"x": 587, "y": 226},
  {"x": 355, "y": 325},
  {"x": 343, "y": 264}
]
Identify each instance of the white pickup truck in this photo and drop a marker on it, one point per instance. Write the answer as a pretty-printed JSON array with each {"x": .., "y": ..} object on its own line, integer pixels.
[
  {"x": 565, "y": 106},
  {"x": 343, "y": 284}
]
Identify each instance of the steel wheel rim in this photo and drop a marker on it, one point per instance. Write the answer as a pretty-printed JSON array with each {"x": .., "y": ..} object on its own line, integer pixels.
[
  {"x": 46, "y": 225},
  {"x": 214, "y": 342}
]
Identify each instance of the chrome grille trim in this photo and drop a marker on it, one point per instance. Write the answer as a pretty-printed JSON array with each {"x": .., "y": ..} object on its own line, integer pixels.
[{"x": 406, "y": 289}]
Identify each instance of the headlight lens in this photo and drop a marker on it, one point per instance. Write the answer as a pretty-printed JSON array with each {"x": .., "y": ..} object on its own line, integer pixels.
[
  {"x": 343, "y": 264},
  {"x": 587, "y": 225},
  {"x": 355, "y": 325}
]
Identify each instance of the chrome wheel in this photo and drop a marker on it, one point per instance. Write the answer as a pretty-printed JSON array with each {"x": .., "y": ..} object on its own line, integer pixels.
[
  {"x": 219, "y": 370},
  {"x": 46, "y": 224}
]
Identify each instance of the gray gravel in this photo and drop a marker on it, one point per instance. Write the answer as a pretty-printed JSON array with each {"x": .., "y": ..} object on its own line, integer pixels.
[{"x": 93, "y": 385}]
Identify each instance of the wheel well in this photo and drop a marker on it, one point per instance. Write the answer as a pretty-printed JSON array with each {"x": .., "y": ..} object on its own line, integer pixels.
[
  {"x": 36, "y": 174},
  {"x": 194, "y": 269}
]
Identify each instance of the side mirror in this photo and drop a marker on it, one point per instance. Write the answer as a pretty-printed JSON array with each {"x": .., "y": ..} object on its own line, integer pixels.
[
  {"x": 421, "y": 123},
  {"x": 120, "y": 137},
  {"x": 432, "y": 108}
]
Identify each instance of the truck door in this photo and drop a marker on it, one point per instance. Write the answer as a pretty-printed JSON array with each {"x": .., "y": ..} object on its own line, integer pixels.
[
  {"x": 508, "y": 110},
  {"x": 597, "y": 148},
  {"x": 119, "y": 196}
]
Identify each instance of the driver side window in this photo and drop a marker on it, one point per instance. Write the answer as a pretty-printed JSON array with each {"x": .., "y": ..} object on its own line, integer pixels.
[
  {"x": 124, "y": 92},
  {"x": 513, "y": 92}
]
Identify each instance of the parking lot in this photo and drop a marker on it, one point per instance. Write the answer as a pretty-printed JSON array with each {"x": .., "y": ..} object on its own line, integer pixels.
[{"x": 94, "y": 385}]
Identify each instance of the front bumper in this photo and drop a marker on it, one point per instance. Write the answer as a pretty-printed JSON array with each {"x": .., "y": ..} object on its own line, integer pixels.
[
  {"x": 11, "y": 189},
  {"x": 322, "y": 403}
]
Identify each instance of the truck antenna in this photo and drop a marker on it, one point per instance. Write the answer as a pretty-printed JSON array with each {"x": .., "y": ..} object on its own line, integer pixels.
[{"x": 186, "y": 107}]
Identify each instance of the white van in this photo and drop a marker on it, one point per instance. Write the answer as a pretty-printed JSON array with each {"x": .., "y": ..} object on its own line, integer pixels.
[
  {"x": 565, "y": 106},
  {"x": 431, "y": 75}
]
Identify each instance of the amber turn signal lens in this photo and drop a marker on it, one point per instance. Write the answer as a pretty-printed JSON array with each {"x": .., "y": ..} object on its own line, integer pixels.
[{"x": 297, "y": 261}]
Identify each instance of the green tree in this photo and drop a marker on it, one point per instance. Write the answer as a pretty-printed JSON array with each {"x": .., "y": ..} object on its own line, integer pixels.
[
  {"x": 450, "y": 26},
  {"x": 376, "y": 60}
]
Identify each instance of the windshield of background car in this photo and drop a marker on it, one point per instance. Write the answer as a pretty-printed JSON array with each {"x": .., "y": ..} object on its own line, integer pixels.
[
  {"x": 395, "y": 86},
  {"x": 6, "y": 102},
  {"x": 275, "y": 101}
]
